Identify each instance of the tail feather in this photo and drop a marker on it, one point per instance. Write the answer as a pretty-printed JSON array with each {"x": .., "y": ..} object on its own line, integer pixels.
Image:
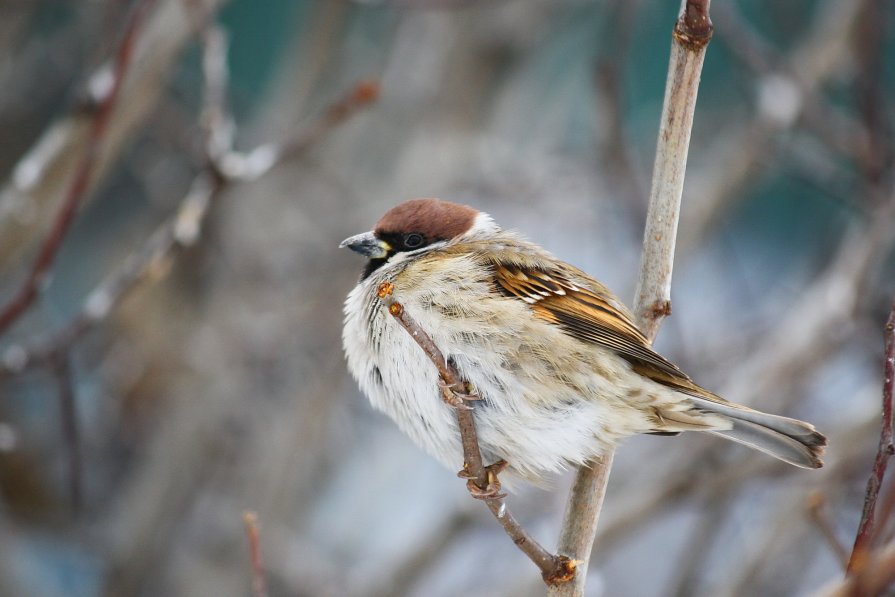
[{"x": 790, "y": 440}]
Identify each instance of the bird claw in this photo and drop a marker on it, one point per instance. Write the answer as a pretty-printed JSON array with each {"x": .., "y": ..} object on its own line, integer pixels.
[
  {"x": 457, "y": 397},
  {"x": 492, "y": 488},
  {"x": 490, "y": 492}
]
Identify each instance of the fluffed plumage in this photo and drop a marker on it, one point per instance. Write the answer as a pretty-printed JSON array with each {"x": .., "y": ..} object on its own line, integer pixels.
[{"x": 562, "y": 370}]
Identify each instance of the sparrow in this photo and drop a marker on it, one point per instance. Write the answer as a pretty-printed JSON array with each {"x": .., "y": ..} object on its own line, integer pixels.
[{"x": 561, "y": 369}]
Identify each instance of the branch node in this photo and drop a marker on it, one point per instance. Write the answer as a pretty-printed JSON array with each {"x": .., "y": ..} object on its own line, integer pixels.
[
  {"x": 694, "y": 27},
  {"x": 659, "y": 309},
  {"x": 365, "y": 92},
  {"x": 385, "y": 290},
  {"x": 563, "y": 573}
]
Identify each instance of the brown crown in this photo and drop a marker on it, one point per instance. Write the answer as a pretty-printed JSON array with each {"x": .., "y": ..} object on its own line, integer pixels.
[{"x": 434, "y": 218}]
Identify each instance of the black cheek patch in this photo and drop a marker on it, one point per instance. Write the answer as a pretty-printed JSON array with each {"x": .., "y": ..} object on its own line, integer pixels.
[{"x": 372, "y": 266}]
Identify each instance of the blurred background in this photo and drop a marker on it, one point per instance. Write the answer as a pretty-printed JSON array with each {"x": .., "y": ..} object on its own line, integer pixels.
[{"x": 181, "y": 362}]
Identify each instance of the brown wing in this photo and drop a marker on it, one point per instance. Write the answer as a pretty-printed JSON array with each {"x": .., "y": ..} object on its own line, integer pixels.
[{"x": 590, "y": 316}]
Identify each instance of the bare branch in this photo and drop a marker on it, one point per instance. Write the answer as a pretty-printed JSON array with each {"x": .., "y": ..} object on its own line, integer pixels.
[
  {"x": 653, "y": 297},
  {"x": 482, "y": 480},
  {"x": 867, "y": 527}
]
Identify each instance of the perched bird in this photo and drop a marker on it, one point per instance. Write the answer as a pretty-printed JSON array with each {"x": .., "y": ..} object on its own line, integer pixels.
[{"x": 562, "y": 371}]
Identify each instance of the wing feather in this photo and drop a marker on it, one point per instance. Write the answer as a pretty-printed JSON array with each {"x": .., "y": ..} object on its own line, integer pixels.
[{"x": 586, "y": 311}]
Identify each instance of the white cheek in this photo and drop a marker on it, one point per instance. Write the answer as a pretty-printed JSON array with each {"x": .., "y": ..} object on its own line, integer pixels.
[{"x": 483, "y": 225}]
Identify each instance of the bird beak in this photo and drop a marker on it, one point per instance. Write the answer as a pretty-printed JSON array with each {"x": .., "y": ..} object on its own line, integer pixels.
[{"x": 368, "y": 245}]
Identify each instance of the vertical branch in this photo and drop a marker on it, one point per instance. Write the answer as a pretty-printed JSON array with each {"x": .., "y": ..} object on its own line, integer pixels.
[
  {"x": 867, "y": 527},
  {"x": 690, "y": 38},
  {"x": 691, "y": 35}
]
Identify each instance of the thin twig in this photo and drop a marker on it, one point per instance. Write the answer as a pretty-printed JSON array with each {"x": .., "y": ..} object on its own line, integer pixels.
[
  {"x": 691, "y": 36},
  {"x": 867, "y": 527},
  {"x": 870, "y": 41},
  {"x": 615, "y": 150},
  {"x": 216, "y": 119},
  {"x": 482, "y": 480},
  {"x": 251, "y": 165},
  {"x": 68, "y": 414},
  {"x": 817, "y": 512},
  {"x": 259, "y": 585},
  {"x": 79, "y": 185}
]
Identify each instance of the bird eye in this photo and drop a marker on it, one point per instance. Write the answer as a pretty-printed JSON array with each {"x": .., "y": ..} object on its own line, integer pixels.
[{"x": 413, "y": 240}]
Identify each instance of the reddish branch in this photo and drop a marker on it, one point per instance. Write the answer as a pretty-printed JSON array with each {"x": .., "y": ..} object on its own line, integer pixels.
[
  {"x": 482, "y": 480},
  {"x": 80, "y": 184},
  {"x": 867, "y": 529},
  {"x": 259, "y": 585},
  {"x": 694, "y": 27}
]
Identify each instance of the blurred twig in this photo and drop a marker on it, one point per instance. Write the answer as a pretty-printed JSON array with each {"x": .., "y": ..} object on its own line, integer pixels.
[
  {"x": 402, "y": 577},
  {"x": 68, "y": 414},
  {"x": 250, "y": 521},
  {"x": 795, "y": 92},
  {"x": 737, "y": 161},
  {"x": 690, "y": 38},
  {"x": 41, "y": 176},
  {"x": 816, "y": 507},
  {"x": 696, "y": 551},
  {"x": 180, "y": 231},
  {"x": 615, "y": 152},
  {"x": 870, "y": 41},
  {"x": 875, "y": 576},
  {"x": 79, "y": 185}
]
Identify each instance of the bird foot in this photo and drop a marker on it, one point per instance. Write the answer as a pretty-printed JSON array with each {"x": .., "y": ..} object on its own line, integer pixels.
[
  {"x": 456, "y": 395},
  {"x": 492, "y": 488}
]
